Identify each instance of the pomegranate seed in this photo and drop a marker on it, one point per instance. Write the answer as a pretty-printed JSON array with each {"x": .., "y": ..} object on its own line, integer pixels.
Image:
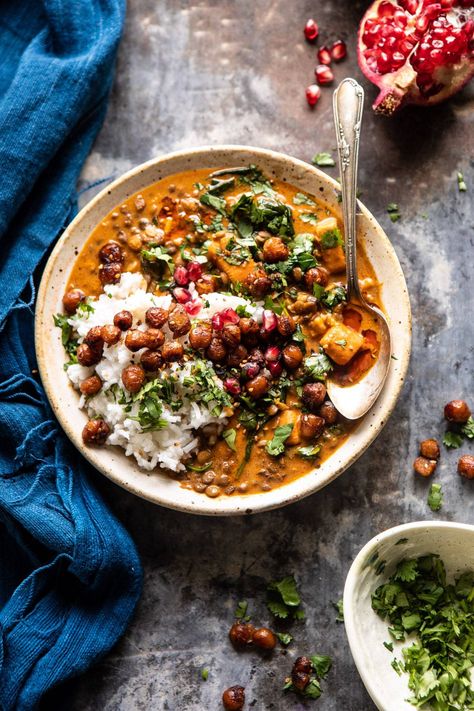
[
  {"x": 181, "y": 295},
  {"x": 218, "y": 322},
  {"x": 275, "y": 369},
  {"x": 324, "y": 55},
  {"x": 232, "y": 386},
  {"x": 311, "y": 30},
  {"x": 269, "y": 320},
  {"x": 272, "y": 354},
  {"x": 338, "y": 50},
  {"x": 193, "y": 307},
  {"x": 313, "y": 92},
  {"x": 230, "y": 316},
  {"x": 194, "y": 271},
  {"x": 324, "y": 74},
  {"x": 385, "y": 9},
  {"x": 181, "y": 276},
  {"x": 250, "y": 370}
]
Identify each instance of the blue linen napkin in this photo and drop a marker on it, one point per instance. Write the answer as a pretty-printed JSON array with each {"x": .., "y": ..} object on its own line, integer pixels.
[{"x": 69, "y": 574}]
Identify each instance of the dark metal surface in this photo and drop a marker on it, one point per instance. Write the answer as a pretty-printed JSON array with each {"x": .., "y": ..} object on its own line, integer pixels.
[{"x": 234, "y": 71}]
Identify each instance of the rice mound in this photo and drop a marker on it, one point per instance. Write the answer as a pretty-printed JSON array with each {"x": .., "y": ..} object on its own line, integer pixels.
[{"x": 172, "y": 445}]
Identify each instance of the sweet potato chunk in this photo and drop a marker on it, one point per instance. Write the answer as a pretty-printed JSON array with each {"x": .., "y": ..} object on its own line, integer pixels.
[
  {"x": 334, "y": 259},
  {"x": 235, "y": 272},
  {"x": 341, "y": 343},
  {"x": 291, "y": 417}
]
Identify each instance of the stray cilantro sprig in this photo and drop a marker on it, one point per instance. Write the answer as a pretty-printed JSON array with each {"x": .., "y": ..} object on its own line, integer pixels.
[
  {"x": 393, "y": 211},
  {"x": 417, "y": 599},
  {"x": 339, "y": 607},
  {"x": 454, "y": 439},
  {"x": 462, "y": 187},
  {"x": 435, "y": 497},
  {"x": 321, "y": 665},
  {"x": 323, "y": 160},
  {"x": 241, "y": 611},
  {"x": 283, "y": 599}
]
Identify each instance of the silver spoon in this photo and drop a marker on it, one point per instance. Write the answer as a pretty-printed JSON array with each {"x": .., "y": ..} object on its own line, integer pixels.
[{"x": 355, "y": 400}]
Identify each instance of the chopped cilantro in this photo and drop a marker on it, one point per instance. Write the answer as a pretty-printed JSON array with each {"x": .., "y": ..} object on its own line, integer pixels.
[
  {"x": 331, "y": 239},
  {"x": 284, "y": 637},
  {"x": 310, "y": 452},
  {"x": 435, "y": 497},
  {"x": 242, "y": 311},
  {"x": 283, "y": 599},
  {"x": 389, "y": 646},
  {"x": 229, "y": 437},
  {"x": 250, "y": 215},
  {"x": 393, "y": 211},
  {"x": 277, "y": 445},
  {"x": 339, "y": 607},
  {"x": 302, "y": 199},
  {"x": 321, "y": 665},
  {"x": 158, "y": 255},
  {"x": 330, "y": 297},
  {"x": 241, "y": 610},
  {"x": 440, "y": 659},
  {"x": 452, "y": 440},
  {"x": 323, "y": 160},
  {"x": 468, "y": 428},
  {"x": 215, "y": 202},
  {"x": 204, "y": 674},
  {"x": 150, "y": 408},
  {"x": 309, "y": 217},
  {"x": 462, "y": 187},
  {"x": 317, "y": 366}
]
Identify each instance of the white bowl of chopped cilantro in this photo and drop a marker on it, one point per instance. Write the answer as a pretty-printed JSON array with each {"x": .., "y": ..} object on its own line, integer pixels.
[{"x": 409, "y": 616}]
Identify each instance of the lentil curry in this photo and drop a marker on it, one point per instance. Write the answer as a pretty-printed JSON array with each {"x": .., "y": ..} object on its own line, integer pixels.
[{"x": 236, "y": 232}]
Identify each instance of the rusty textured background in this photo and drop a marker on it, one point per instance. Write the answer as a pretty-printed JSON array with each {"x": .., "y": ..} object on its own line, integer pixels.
[{"x": 234, "y": 71}]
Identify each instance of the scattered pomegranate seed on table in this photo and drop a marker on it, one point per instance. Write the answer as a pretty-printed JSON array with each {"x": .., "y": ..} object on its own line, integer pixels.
[
  {"x": 311, "y": 30},
  {"x": 324, "y": 75},
  {"x": 313, "y": 93},
  {"x": 338, "y": 50},
  {"x": 324, "y": 55}
]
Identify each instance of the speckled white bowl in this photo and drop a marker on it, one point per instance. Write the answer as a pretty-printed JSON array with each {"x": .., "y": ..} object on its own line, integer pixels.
[
  {"x": 111, "y": 461},
  {"x": 366, "y": 632}
]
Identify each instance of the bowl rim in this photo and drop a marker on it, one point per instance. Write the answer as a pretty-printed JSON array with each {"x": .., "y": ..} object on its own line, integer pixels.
[
  {"x": 359, "y": 563},
  {"x": 244, "y": 504}
]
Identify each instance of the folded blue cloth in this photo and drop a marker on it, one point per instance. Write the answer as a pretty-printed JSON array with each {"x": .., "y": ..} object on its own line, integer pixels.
[{"x": 69, "y": 573}]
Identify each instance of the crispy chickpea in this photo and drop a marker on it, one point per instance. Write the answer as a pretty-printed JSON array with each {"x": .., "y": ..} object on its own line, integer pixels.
[
  {"x": 429, "y": 448},
  {"x": 123, "y": 320},
  {"x": 264, "y": 638},
  {"x": 110, "y": 273},
  {"x": 300, "y": 674},
  {"x": 328, "y": 412},
  {"x": 275, "y": 250},
  {"x": 316, "y": 275},
  {"x": 206, "y": 284},
  {"x": 249, "y": 330},
  {"x": 237, "y": 356},
  {"x": 172, "y": 351},
  {"x": 94, "y": 338},
  {"x": 135, "y": 340},
  {"x": 312, "y": 426},
  {"x": 72, "y": 299},
  {"x": 179, "y": 321},
  {"x": 111, "y": 253},
  {"x": 216, "y": 350},
  {"x": 133, "y": 377},
  {"x": 313, "y": 395},
  {"x": 466, "y": 466},
  {"x": 151, "y": 360},
  {"x": 95, "y": 432},
  {"x": 424, "y": 467},
  {"x": 258, "y": 283},
  {"x": 111, "y": 335},
  {"x": 286, "y": 325},
  {"x": 156, "y": 317},
  {"x": 154, "y": 338},
  {"x": 200, "y": 335},
  {"x": 90, "y": 386},
  {"x": 233, "y": 698},
  {"x": 88, "y": 356},
  {"x": 304, "y": 304},
  {"x": 457, "y": 411},
  {"x": 258, "y": 386},
  {"x": 231, "y": 335},
  {"x": 292, "y": 356},
  {"x": 241, "y": 634}
]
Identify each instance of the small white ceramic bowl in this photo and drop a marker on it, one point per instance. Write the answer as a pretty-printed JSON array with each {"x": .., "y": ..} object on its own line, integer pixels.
[
  {"x": 366, "y": 631},
  {"x": 158, "y": 487}
]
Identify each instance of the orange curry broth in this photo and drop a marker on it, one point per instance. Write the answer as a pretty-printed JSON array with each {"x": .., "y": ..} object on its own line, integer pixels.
[{"x": 116, "y": 226}]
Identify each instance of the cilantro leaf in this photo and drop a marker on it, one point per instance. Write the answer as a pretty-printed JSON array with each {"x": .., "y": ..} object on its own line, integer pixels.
[
  {"x": 241, "y": 609},
  {"x": 157, "y": 255},
  {"x": 339, "y": 607},
  {"x": 204, "y": 674},
  {"x": 393, "y": 211},
  {"x": 284, "y": 637},
  {"x": 309, "y": 452},
  {"x": 452, "y": 440},
  {"x": 309, "y": 217},
  {"x": 215, "y": 202},
  {"x": 321, "y": 664},
  {"x": 230, "y": 437},
  {"x": 468, "y": 428},
  {"x": 323, "y": 160},
  {"x": 407, "y": 570},
  {"x": 283, "y": 599},
  {"x": 331, "y": 239},
  {"x": 317, "y": 366},
  {"x": 276, "y": 446},
  {"x": 435, "y": 497},
  {"x": 302, "y": 199}
]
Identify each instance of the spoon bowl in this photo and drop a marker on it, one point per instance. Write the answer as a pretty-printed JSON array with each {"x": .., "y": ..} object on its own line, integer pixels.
[
  {"x": 366, "y": 632},
  {"x": 356, "y": 400}
]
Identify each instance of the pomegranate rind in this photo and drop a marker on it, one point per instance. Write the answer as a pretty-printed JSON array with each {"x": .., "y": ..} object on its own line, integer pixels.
[{"x": 399, "y": 88}]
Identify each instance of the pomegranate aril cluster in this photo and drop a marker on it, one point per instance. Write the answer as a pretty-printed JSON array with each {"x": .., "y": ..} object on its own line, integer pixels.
[{"x": 325, "y": 56}]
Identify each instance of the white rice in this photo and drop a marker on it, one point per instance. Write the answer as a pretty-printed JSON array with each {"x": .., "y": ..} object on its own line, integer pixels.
[{"x": 171, "y": 446}]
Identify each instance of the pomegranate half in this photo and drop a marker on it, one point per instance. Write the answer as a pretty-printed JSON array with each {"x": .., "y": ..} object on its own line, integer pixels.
[{"x": 417, "y": 51}]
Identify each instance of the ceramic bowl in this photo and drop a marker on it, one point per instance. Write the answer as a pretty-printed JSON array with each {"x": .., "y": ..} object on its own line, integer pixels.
[
  {"x": 158, "y": 487},
  {"x": 366, "y": 632}
]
